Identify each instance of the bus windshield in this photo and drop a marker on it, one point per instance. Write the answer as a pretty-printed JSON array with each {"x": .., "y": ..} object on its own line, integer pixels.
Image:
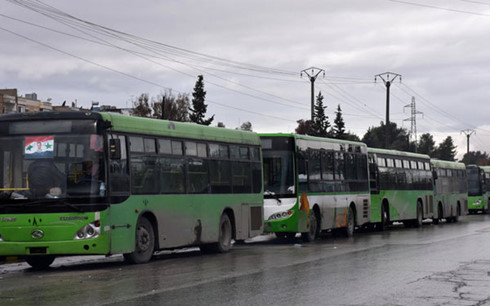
[
  {"x": 474, "y": 182},
  {"x": 51, "y": 167},
  {"x": 278, "y": 173}
]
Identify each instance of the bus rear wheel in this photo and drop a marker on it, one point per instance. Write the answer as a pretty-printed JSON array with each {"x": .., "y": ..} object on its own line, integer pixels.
[
  {"x": 40, "y": 262},
  {"x": 224, "y": 237},
  {"x": 144, "y": 243}
]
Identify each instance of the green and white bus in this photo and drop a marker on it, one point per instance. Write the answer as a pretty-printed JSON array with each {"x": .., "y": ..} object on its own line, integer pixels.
[
  {"x": 450, "y": 190},
  {"x": 81, "y": 183},
  {"x": 313, "y": 184},
  {"x": 401, "y": 187},
  {"x": 478, "y": 193}
]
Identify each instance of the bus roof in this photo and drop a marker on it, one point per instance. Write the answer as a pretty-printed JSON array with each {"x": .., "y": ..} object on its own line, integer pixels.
[
  {"x": 485, "y": 168},
  {"x": 138, "y": 125},
  {"x": 313, "y": 138},
  {"x": 158, "y": 127},
  {"x": 397, "y": 153},
  {"x": 447, "y": 164}
]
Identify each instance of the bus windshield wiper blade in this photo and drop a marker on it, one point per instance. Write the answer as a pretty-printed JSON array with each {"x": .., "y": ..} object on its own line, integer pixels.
[
  {"x": 74, "y": 207},
  {"x": 272, "y": 194}
]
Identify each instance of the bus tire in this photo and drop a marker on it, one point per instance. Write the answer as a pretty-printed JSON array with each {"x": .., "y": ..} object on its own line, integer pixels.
[
  {"x": 440, "y": 214},
  {"x": 348, "y": 230},
  {"x": 385, "y": 217},
  {"x": 458, "y": 214},
  {"x": 285, "y": 236},
  {"x": 40, "y": 262},
  {"x": 225, "y": 235},
  {"x": 311, "y": 235},
  {"x": 420, "y": 215},
  {"x": 144, "y": 243}
]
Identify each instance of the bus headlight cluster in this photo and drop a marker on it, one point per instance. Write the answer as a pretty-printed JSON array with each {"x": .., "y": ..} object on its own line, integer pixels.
[
  {"x": 281, "y": 215},
  {"x": 91, "y": 230}
]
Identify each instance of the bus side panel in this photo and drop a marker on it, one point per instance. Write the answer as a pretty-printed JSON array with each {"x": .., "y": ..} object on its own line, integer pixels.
[
  {"x": 376, "y": 201},
  {"x": 122, "y": 224},
  {"x": 334, "y": 209},
  {"x": 403, "y": 203}
]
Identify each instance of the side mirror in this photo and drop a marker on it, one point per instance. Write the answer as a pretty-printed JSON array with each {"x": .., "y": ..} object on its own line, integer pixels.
[
  {"x": 115, "y": 148},
  {"x": 434, "y": 174}
]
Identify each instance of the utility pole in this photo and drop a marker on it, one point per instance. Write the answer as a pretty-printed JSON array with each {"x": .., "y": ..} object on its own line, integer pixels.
[
  {"x": 413, "y": 121},
  {"x": 312, "y": 75},
  {"x": 468, "y": 133},
  {"x": 388, "y": 78}
]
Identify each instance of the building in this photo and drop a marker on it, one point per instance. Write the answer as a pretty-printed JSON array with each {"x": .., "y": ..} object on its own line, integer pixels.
[{"x": 10, "y": 102}]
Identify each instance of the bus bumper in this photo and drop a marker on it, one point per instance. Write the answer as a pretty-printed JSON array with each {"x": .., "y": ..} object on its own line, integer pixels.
[{"x": 95, "y": 246}]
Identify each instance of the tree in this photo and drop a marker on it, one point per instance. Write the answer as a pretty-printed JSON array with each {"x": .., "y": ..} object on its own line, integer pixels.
[
  {"x": 338, "y": 130},
  {"x": 174, "y": 108},
  {"x": 351, "y": 136},
  {"x": 319, "y": 126},
  {"x": 198, "y": 109},
  {"x": 398, "y": 139},
  {"x": 303, "y": 126},
  {"x": 476, "y": 158},
  {"x": 446, "y": 150},
  {"x": 426, "y": 144},
  {"x": 141, "y": 107},
  {"x": 246, "y": 126}
]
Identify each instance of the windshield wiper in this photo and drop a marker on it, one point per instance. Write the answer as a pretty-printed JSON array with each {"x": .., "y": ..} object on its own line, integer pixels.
[
  {"x": 74, "y": 207},
  {"x": 273, "y": 194}
]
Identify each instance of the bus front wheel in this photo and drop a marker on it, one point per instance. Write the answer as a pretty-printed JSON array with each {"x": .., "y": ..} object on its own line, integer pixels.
[
  {"x": 385, "y": 218},
  {"x": 349, "y": 228},
  {"x": 311, "y": 235},
  {"x": 420, "y": 215},
  {"x": 144, "y": 243},
  {"x": 40, "y": 262}
]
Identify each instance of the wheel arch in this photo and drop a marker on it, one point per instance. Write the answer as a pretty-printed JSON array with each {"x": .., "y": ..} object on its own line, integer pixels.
[
  {"x": 386, "y": 204},
  {"x": 440, "y": 208},
  {"x": 231, "y": 215},
  {"x": 150, "y": 216},
  {"x": 316, "y": 210},
  {"x": 352, "y": 206},
  {"x": 420, "y": 202}
]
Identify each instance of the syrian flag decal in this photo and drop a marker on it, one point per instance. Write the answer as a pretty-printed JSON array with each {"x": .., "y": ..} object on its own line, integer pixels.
[{"x": 39, "y": 147}]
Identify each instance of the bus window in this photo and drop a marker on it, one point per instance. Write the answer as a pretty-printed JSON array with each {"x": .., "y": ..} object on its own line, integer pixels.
[
  {"x": 198, "y": 179},
  {"x": 190, "y": 148},
  {"x": 149, "y": 144},
  {"x": 164, "y": 146},
  {"x": 202, "y": 150},
  {"x": 136, "y": 144}
]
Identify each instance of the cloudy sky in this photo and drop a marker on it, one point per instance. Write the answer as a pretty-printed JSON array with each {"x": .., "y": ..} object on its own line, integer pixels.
[{"x": 251, "y": 54}]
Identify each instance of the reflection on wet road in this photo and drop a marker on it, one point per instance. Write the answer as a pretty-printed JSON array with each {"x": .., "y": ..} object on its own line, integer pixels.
[{"x": 445, "y": 264}]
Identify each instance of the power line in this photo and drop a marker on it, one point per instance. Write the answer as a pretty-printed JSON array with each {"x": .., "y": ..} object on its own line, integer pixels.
[{"x": 440, "y": 8}]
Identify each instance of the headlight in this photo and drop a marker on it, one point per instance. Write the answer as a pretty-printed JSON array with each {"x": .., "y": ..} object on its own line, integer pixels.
[
  {"x": 91, "y": 230},
  {"x": 281, "y": 215}
]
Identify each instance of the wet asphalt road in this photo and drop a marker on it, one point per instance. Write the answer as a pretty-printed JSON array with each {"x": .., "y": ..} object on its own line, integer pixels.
[{"x": 445, "y": 264}]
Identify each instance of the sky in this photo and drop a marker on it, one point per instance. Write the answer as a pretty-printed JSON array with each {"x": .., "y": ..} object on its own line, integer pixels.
[{"x": 251, "y": 54}]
